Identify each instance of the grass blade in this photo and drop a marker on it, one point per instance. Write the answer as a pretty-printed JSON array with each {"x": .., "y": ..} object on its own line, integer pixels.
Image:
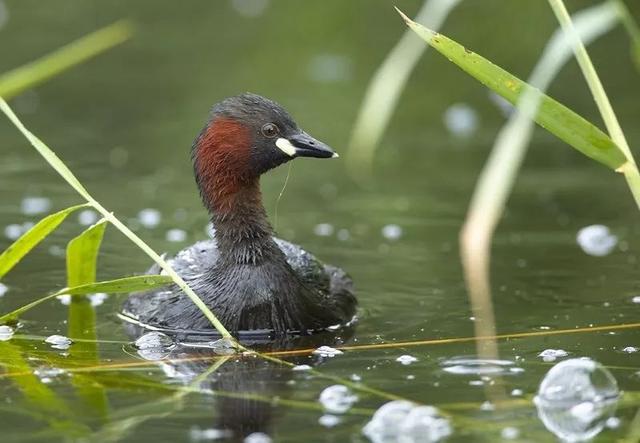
[
  {"x": 82, "y": 255},
  {"x": 32, "y": 74},
  {"x": 386, "y": 86},
  {"x": 82, "y": 259},
  {"x": 552, "y": 115},
  {"x": 121, "y": 285},
  {"x": 30, "y": 239},
  {"x": 632, "y": 29}
]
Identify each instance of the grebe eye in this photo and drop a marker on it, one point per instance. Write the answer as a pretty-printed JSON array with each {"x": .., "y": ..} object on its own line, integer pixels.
[{"x": 270, "y": 130}]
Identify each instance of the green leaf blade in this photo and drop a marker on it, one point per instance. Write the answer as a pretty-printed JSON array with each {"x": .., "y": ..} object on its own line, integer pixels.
[
  {"x": 82, "y": 255},
  {"x": 551, "y": 115},
  {"x": 30, "y": 239}
]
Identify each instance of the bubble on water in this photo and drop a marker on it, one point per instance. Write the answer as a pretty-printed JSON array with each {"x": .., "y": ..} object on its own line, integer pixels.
[
  {"x": 406, "y": 359},
  {"x": 323, "y": 230},
  {"x": 510, "y": 433},
  {"x": 48, "y": 374},
  {"x": 176, "y": 235},
  {"x": 630, "y": 349},
  {"x": 596, "y": 240},
  {"x": 329, "y": 420},
  {"x": 550, "y": 355},
  {"x": 197, "y": 434},
  {"x": 56, "y": 251},
  {"x": 154, "y": 345},
  {"x": 59, "y": 341},
  {"x": 87, "y": 217},
  {"x": 355, "y": 377},
  {"x": 257, "y": 437},
  {"x": 476, "y": 366},
  {"x": 98, "y": 298},
  {"x": 65, "y": 299},
  {"x": 301, "y": 368},
  {"x": 636, "y": 299},
  {"x": 3, "y": 289},
  {"x": 6, "y": 332},
  {"x": 327, "y": 351},
  {"x": 149, "y": 218},
  {"x": 461, "y": 120},
  {"x": 35, "y": 205},
  {"x": 487, "y": 406},
  {"x": 13, "y": 231},
  {"x": 613, "y": 423},
  {"x": 400, "y": 420},
  {"x": 576, "y": 398},
  {"x": 337, "y": 399},
  {"x": 330, "y": 68},
  {"x": 392, "y": 232},
  {"x": 517, "y": 393},
  {"x": 343, "y": 234},
  {"x": 250, "y": 8}
]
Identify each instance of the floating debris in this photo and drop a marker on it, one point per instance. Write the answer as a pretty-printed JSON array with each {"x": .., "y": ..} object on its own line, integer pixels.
[
  {"x": 257, "y": 437},
  {"x": 406, "y": 359},
  {"x": 323, "y": 230},
  {"x": 400, "y": 420},
  {"x": 35, "y": 205},
  {"x": 176, "y": 235},
  {"x": 329, "y": 420},
  {"x": 149, "y": 218},
  {"x": 596, "y": 240},
  {"x": 327, "y": 351},
  {"x": 87, "y": 217},
  {"x": 3, "y": 289},
  {"x": 337, "y": 399},
  {"x": 461, "y": 120},
  {"x": 6, "y": 332},
  {"x": 550, "y": 355},
  {"x": 59, "y": 341},
  {"x": 301, "y": 368},
  {"x": 576, "y": 398},
  {"x": 392, "y": 232}
]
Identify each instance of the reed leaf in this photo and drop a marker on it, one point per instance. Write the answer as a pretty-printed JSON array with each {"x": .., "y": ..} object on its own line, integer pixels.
[
  {"x": 32, "y": 74},
  {"x": 121, "y": 285},
  {"x": 632, "y": 28},
  {"x": 551, "y": 115},
  {"x": 82, "y": 255},
  {"x": 30, "y": 239}
]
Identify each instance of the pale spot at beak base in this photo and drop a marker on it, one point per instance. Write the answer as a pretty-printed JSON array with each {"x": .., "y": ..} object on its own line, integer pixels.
[{"x": 285, "y": 146}]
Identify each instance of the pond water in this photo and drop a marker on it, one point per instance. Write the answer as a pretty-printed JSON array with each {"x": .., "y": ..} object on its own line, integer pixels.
[{"x": 124, "y": 123}]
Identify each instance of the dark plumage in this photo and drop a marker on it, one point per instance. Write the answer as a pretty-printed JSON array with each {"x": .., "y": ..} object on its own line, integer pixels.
[{"x": 250, "y": 280}]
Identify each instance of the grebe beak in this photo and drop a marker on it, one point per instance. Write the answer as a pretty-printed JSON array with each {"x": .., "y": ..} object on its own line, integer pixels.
[{"x": 303, "y": 145}]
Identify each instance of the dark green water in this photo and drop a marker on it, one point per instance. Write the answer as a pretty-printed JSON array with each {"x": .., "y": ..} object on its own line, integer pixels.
[{"x": 124, "y": 123}]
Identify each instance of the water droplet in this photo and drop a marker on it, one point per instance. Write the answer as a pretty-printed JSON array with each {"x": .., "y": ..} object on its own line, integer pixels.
[
  {"x": 59, "y": 341},
  {"x": 329, "y": 421},
  {"x": 6, "y": 332},
  {"x": 149, "y": 218},
  {"x": 461, "y": 120},
  {"x": 87, "y": 217},
  {"x": 392, "y": 232},
  {"x": 301, "y": 368},
  {"x": 257, "y": 437},
  {"x": 406, "y": 359},
  {"x": 35, "y": 205},
  {"x": 3, "y": 289},
  {"x": 176, "y": 235},
  {"x": 327, "y": 351},
  {"x": 596, "y": 240},
  {"x": 323, "y": 230},
  {"x": 550, "y": 355},
  {"x": 400, "y": 420},
  {"x": 250, "y": 8},
  {"x": 154, "y": 345},
  {"x": 337, "y": 399},
  {"x": 576, "y": 398},
  {"x": 476, "y": 366}
]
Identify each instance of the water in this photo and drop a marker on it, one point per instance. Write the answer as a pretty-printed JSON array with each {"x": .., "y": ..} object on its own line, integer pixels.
[{"x": 125, "y": 121}]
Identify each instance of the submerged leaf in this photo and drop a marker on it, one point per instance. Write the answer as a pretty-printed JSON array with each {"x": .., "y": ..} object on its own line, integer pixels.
[
  {"x": 127, "y": 284},
  {"x": 30, "y": 239},
  {"x": 551, "y": 115}
]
